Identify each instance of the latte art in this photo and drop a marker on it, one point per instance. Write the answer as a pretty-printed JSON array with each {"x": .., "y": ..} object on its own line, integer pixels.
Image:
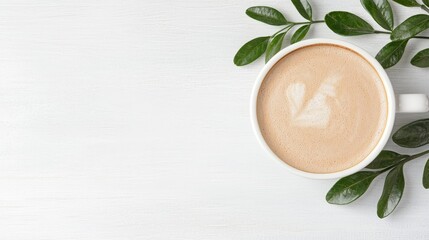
[
  {"x": 322, "y": 108},
  {"x": 317, "y": 111}
]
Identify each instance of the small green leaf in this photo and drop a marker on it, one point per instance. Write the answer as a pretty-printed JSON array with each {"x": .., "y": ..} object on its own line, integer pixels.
[
  {"x": 390, "y": 54},
  {"x": 274, "y": 46},
  {"x": 411, "y": 27},
  {"x": 251, "y": 51},
  {"x": 380, "y": 11},
  {"x": 386, "y": 159},
  {"x": 412, "y": 135},
  {"x": 426, "y": 176},
  {"x": 421, "y": 59},
  {"x": 267, "y": 15},
  {"x": 392, "y": 192},
  {"x": 350, "y": 188},
  {"x": 408, "y": 3},
  {"x": 426, "y": 2},
  {"x": 300, "y": 34},
  {"x": 347, "y": 24},
  {"x": 304, "y": 8}
]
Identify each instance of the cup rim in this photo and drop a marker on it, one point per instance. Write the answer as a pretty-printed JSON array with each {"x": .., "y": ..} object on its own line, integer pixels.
[{"x": 391, "y": 105}]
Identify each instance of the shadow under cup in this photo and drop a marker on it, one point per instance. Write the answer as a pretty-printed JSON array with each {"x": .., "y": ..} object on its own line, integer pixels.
[{"x": 323, "y": 107}]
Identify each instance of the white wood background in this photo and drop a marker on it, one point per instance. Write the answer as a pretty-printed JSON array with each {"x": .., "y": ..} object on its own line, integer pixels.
[{"x": 128, "y": 120}]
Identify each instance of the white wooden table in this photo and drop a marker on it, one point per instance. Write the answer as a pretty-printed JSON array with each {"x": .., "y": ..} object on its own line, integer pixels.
[{"x": 128, "y": 120}]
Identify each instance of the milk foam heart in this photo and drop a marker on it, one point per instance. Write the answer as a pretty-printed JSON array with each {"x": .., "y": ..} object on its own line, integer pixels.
[{"x": 322, "y": 108}]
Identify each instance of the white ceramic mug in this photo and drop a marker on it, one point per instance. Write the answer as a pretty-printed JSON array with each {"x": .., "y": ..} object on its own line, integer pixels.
[{"x": 403, "y": 103}]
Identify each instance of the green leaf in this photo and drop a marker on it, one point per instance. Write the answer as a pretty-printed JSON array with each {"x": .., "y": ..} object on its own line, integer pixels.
[
  {"x": 350, "y": 188},
  {"x": 412, "y": 135},
  {"x": 304, "y": 8},
  {"x": 380, "y": 11},
  {"x": 408, "y": 3},
  {"x": 426, "y": 2},
  {"x": 386, "y": 159},
  {"x": 274, "y": 46},
  {"x": 421, "y": 59},
  {"x": 347, "y": 24},
  {"x": 300, "y": 34},
  {"x": 267, "y": 15},
  {"x": 251, "y": 51},
  {"x": 411, "y": 27},
  {"x": 390, "y": 54},
  {"x": 392, "y": 192},
  {"x": 426, "y": 176}
]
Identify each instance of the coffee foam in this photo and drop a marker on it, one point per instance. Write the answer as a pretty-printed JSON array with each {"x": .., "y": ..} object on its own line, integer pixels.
[{"x": 322, "y": 108}]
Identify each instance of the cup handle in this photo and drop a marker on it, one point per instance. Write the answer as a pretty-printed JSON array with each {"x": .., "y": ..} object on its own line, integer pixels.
[{"x": 412, "y": 103}]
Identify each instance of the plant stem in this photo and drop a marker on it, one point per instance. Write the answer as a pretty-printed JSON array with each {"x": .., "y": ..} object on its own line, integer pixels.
[
  {"x": 412, "y": 157},
  {"x": 421, "y": 37},
  {"x": 424, "y": 8},
  {"x": 288, "y": 27},
  {"x": 385, "y": 32},
  {"x": 292, "y": 24},
  {"x": 311, "y": 22}
]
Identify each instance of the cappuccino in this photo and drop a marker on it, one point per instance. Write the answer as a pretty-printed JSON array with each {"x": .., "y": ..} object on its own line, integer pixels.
[{"x": 322, "y": 108}]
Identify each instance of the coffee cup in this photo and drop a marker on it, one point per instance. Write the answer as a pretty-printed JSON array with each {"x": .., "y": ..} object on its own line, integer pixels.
[{"x": 401, "y": 103}]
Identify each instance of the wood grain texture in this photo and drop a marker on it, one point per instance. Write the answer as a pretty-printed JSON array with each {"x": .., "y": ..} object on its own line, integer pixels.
[{"x": 128, "y": 120}]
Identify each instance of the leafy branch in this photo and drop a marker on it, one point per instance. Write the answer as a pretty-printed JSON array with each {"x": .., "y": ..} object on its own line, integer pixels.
[
  {"x": 350, "y": 188},
  {"x": 342, "y": 23}
]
